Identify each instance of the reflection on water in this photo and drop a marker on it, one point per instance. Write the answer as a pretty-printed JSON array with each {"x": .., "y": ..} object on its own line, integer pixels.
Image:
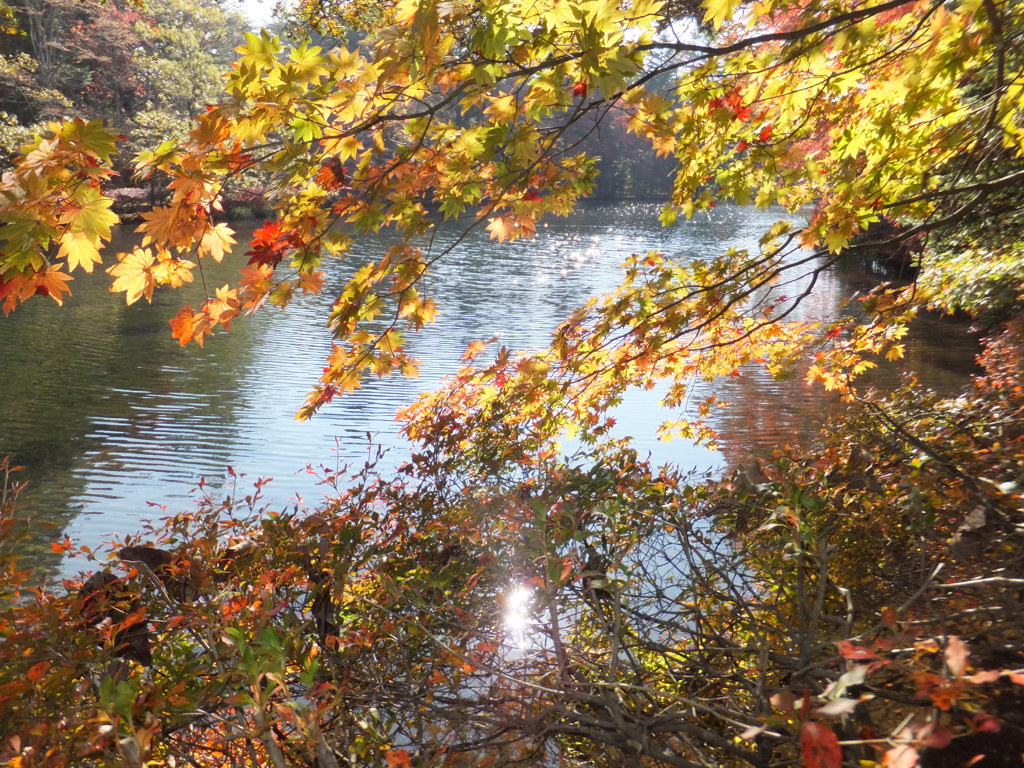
[{"x": 115, "y": 420}]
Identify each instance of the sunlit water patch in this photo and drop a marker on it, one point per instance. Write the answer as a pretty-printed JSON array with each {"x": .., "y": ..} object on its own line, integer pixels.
[{"x": 117, "y": 422}]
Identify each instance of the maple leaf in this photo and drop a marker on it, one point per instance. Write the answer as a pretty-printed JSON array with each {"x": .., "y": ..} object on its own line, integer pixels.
[
  {"x": 194, "y": 188},
  {"x": 255, "y": 283},
  {"x": 134, "y": 275},
  {"x": 89, "y": 136},
  {"x": 79, "y": 249},
  {"x": 171, "y": 270},
  {"x": 11, "y": 289},
  {"x": 331, "y": 175},
  {"x": 168, "y": 224},
  {"x": 89, "y": 213},
  {"x": 510, "y": 227},
  {"x": 211, "y": 128},
  {"x": 504, "y": 108},
  {"x": 311, "y": 282},
  {"x": 473, "y": 350},
  {"x": 189, "y": 325},
  {"x": 269, "y": 245},
  {"x": 224, "y": 308},
  {"x": 49, "y": 282},
  {"x": 216, "y": 241}
]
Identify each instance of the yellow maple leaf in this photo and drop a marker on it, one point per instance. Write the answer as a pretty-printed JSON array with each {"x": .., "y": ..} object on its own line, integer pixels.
[
  {"x": 501, "y": 108},
  {"x": 216, "y": 241},
  {"x": 511, "y": 227},
  {"x": 171, "y": 270},
  {"x": 88, "y": 212},
  {"x": 170, "y": 225},
  {"x": 499, "y": 229},
  {"x": 134, "y": 275},
  {"x": 79, "y": 248}
]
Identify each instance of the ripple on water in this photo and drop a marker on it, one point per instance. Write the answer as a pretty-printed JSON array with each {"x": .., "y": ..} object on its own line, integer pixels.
[{"x": 111, "y": 413}]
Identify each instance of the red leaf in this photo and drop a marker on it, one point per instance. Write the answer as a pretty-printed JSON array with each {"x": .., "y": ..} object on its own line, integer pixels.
[
  {"x": 35, "y": 674},
  {"x": 766, "y": 133},
  {"x": 820, "y": 746},
  {"x": 983, "y": 721},
  {"x": 943, "y": 696},
  {"x": 270, "y": 243},
  {"x": 855, "y": 652},
  {"x": 939, "y": 738},
  {"x": 399, "y": 758}
]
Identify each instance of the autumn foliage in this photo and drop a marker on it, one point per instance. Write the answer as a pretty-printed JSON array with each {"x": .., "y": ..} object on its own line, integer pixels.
[
  {"x": 852, "y": 601},
  {"x": 858, "y": 602}
]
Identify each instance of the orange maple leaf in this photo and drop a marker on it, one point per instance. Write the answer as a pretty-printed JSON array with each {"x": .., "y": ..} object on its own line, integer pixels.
[
  {"x": 311, "y": 282},
  {"x": 189, "y": 325},
  {"x": 511, "y": 227},
  {"x": 255, "y": 283},
  {"x": 473, "y": 350},
  {"x": 10, "y": 292},
  {"x": 50, "y": 282},
  {"x": 224, "y": 308}
]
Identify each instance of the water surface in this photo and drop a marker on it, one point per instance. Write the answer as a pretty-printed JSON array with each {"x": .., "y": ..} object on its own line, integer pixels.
[{"x": 117, "y": 423}]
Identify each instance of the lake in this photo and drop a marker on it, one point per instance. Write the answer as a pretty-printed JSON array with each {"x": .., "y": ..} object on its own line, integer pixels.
[{"x": 116, "y": 422}]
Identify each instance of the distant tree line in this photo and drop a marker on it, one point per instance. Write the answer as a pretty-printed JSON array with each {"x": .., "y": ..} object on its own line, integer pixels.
[{"x": 146, "y": 71}]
